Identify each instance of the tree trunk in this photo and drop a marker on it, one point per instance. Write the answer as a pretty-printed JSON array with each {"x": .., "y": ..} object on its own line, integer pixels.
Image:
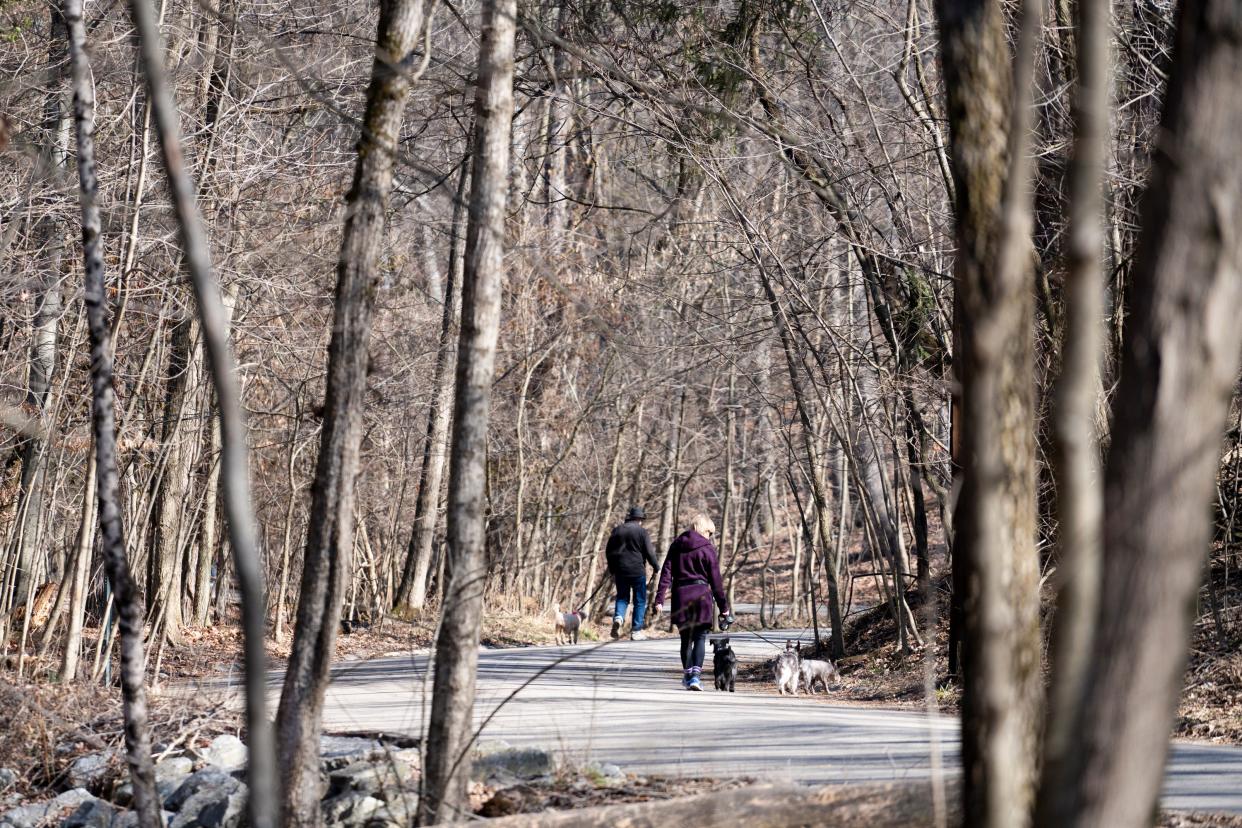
[
  {"x": 44, "y": 339},
  {"x": 76, "y": 576},
  {"x": 166, "y": 569},
  {"x": 995, "y": 532},
  {"x": 208, "y": 540},
  {"x": 1179, "y": 368},
  {"x": 412, "y": 592},
  {"x": 1077, "y": 450},
  {"x": 103, "y": 411},
  {"x": 261, "y": 773},
  {"x": 457, "y": 643},
  {"x": 330, "y": 533},
  {"x": 819, "y": 486}
]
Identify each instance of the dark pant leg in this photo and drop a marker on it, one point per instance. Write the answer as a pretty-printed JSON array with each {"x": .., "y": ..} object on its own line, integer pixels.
[
  {"x": 686, "y": 647},
  {"x": 699, "y": 644}
]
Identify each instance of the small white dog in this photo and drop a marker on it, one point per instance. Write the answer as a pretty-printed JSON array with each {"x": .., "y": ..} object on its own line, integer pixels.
[
  {"x": 567, "y": 625},
  {"x": 786, "y": 670},
  {"x": 812, "y": 672}
]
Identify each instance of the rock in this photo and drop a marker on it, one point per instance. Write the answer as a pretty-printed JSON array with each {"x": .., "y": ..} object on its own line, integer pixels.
[
  {"x": 522, "y": 763},
  {"x": 8, "y": 778},
  {"x": 89, "y": 770},
  {"x": 399, "y": 811},
  {"x": 93, "y": 814},
  {"x": 336, "y": 752},
  {"x": 213, "y": 806},
  {"x": 170, "y": 773},
  {"x": 351, "y": 809},
  {"x": 226, "y": 752},
  {"x": 373, "y": 777},
  {"x": 29, "y": 816},
  {"x": 24, "y": 816},
  {"x": 129, "y": 819},
  {"x": 206, "y": 779}
]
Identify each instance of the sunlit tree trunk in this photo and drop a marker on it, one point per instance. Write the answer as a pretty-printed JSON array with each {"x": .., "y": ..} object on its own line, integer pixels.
[
  {"x": 1077, "y": 447},
  {"x": 457, "y": 643},
  {"x": 412, "y": 591},
  {"x": 1179, "y": 367},
  {"x": 330, "y": 534},
  {"x": 995, "y": 533}
]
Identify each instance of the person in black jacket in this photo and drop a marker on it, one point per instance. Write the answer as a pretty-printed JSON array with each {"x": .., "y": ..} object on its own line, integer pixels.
[{"x": 628, "y": 553}]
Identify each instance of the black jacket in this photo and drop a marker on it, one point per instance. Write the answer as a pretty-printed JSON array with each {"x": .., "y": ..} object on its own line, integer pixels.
[{"x": 628, "y": 546}]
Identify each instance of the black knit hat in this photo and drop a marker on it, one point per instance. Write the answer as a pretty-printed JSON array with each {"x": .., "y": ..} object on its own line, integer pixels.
[{"x": 636, "y": 513}]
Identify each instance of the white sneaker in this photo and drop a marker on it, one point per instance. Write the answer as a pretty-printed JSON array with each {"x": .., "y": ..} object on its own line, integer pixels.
[
  {"x": 638, "y": 636},
  {"x": 616, "y": 626}
]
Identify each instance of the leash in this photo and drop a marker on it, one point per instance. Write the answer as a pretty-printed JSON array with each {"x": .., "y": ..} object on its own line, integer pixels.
[
  {"x": 763, "y": 637},
  {"x": 602, "y": 583}
]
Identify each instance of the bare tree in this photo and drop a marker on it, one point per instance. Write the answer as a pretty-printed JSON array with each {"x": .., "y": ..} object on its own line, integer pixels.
[
  {"x": 1079, "y": 493},
  {"x": 103, "y": 407},
  {"x": 457, "y": 642},
  {"x": 989, "y": 96},
  {"x": 213, "y": 320},
  {"x": 330, "y": 535},
  {"x": 412, "y": 591},
  {"x": 1179, "y": 368}
]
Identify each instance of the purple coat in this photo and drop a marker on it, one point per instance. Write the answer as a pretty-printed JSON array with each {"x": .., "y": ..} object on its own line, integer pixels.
[{"x": 692, "y": 570}]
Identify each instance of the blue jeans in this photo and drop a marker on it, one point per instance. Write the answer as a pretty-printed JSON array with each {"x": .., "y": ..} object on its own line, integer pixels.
[{"x": 638, "y": 586}]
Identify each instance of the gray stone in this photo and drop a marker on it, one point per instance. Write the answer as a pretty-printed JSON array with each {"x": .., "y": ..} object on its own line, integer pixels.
[
  {"x": 336, "y": 752},
  {"x": 523, "y": 763},
  {"x": 30, "y": 816},
  {"x": 129, "y": 819},
  {"x": 227, "y": 752},
  {"x": 399, "y": 810},
  {"x": 213, "y": 806},
  {"x": 87, "y": 771},
  {"x": 24, "y": 816},
  {"x": 372, "y": 777},
  {"x": 8, "y": 778},
  {"x": 209, "y": 778},
  {"x": 93, "y": 814},
  {"x": 351, "y": 809},
  {"x": 170, "y": 772}
]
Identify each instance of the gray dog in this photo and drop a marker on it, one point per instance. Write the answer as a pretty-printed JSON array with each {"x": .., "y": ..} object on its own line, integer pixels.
[
  {"x": 812, "y": 672},
  {"x": 787, "y": 669}
]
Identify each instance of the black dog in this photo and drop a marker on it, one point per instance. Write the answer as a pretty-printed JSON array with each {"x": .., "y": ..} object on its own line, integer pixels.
[{"x": 724, "y": 664}]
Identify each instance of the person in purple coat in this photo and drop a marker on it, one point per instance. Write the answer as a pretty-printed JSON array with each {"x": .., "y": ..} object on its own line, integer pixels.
[{"x": 692, "y": 571}]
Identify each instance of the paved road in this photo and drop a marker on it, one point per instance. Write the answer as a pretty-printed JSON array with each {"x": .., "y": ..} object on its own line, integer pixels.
[{"x": 623, "y": 704}]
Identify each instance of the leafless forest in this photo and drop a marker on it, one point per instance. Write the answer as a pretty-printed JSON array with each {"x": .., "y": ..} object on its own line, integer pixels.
[{"x": 314, "y": 312}]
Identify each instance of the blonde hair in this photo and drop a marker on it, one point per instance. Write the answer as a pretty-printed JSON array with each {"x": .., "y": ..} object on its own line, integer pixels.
[{"x": 702, "y": 524}]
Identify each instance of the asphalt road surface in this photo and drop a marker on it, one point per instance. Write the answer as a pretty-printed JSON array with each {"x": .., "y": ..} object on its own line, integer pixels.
[{"x": 623, "y": 703}]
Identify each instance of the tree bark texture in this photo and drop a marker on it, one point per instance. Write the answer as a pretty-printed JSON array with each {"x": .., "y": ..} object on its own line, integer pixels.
[
  {"x": 166, "y": 569},
  {"x": 1080, "y": 501},
  {"x": 412, "y": 592},
  {"x": 457, "y": 642},
  {"x": 103, "y": 418},
  {"x": 330, "y": 533},
  {"x": 44, "y": 340},
  {"x": 1179, "y": 367},
  {"x": 261, "y": 773},
  {"x": 995, "y": 523}
]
